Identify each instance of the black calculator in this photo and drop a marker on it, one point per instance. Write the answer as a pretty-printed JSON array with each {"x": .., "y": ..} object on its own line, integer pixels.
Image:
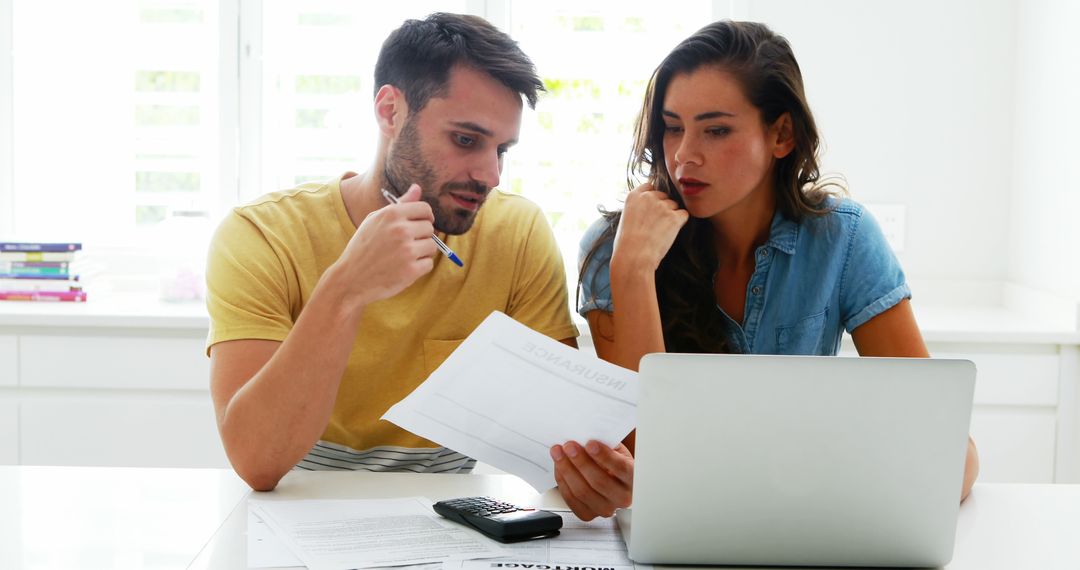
[{"x": 499, "y": 520}]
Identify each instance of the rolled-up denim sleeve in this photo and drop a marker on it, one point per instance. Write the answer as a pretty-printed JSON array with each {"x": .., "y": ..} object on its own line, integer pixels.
[
  {"x": 594, "y": 260},
  {"x": 873, "y": 281}
]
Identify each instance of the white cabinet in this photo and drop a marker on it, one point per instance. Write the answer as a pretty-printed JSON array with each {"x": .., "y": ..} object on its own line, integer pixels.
[
  {"x": 9, "y": 363},
  {"x": 1016, "y": 445},
  {"x": 120, "y": 384},
  {"x": 119, "y": 361},
  {"x": 1014, "y": 422},
  {"x": 9, "y": 406},
  {"x": 1018, "y": 420},
  {"x": 9, "y": 430},
  {"x": 132, "y": 389},
  {"x": 114, "y": 429}
]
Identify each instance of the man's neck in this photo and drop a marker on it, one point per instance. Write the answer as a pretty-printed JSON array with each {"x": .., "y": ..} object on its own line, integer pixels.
[{"x": 360, "y": 193}]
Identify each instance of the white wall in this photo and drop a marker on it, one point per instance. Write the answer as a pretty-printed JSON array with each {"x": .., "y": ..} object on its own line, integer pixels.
[
  {"x": 1045, "y": 203},
  {"x": 914, "y": 100}
]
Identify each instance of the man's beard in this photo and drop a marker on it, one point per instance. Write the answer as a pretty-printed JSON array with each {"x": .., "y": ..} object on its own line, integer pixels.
[{"x": 405, "y": 165}]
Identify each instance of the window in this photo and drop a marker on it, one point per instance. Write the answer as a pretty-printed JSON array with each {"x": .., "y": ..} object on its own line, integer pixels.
[
  {"x": 117, "y": 125},
  {"x": 574, "y": 148},
  {"x": 318, "y": 63},
  {"x": 154, "y": 108}
]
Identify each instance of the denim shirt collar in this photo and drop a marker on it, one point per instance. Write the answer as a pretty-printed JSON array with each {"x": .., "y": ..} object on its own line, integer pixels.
[{"x": 783, "y": 233}]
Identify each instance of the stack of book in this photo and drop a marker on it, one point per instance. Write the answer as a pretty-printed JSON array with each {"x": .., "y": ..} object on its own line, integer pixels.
[{"x": 39, "y": 272}]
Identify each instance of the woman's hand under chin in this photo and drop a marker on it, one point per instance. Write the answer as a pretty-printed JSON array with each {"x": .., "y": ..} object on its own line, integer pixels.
[{"x": 647, "y": 228}]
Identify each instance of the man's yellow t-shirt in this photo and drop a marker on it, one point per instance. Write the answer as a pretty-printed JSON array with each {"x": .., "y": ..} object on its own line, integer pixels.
[{"x": 267, "y": 257}]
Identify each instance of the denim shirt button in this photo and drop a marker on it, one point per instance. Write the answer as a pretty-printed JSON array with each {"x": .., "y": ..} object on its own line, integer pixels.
[{"x": 756, "y": 290}]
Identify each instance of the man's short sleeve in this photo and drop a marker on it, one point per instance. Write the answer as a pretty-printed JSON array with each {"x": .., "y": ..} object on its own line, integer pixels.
[
  {"x": 594, "y": 260},
  {"x": 873, "y": 281},
  {"x": 540, "y": 299},
  {"x": 246, "y": 288}
]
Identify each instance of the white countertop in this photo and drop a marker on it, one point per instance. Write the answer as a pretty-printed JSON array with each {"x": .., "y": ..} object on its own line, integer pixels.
[
  {"x": 983, "y": 312},
  {"x": 134, "y": 310}
]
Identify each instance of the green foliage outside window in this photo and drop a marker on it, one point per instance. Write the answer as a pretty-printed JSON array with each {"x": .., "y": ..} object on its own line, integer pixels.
[
  {"x": 311, "y": 118},
  {"x": 327, "y": 84},
  {"x": 167, "y": 81},
  {"x": 153, "y": 181},
  {"x": 170, "y": 16},
  {"x": 166, "y": 116}
]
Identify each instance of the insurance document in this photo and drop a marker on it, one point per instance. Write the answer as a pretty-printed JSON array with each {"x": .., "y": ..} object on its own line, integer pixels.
[
  {"x": 509, "y": 393},
  {"x": 345, "y": 534}
]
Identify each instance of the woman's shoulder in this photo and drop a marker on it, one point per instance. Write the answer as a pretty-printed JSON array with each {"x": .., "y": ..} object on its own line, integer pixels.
[
  {"x": 838, "y": 208},
  {"x": 599, "y": 236},
  {"x": 841, "y": 217}
]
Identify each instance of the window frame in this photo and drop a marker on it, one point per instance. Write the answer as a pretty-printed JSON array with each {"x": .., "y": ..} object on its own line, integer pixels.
[
  {"x": 240, "y": 99},
  {"x": 7, "y": 119}
]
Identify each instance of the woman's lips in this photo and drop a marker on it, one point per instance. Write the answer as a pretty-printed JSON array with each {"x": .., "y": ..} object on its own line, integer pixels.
[{"x": 691, "y": 186}]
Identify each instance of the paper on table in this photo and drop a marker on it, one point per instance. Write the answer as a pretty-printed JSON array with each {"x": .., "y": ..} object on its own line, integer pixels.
[
  {"x": 527, "y": 565},
  {"x": 508, "y": 393},
  {"x": 593, "y": 543},
  {"x": 264, "y": 548},
  {"x": 345, "y": 534}
]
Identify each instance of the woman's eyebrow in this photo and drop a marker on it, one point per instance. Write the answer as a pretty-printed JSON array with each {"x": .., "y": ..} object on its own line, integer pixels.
[{"x": 700, "y": 116}]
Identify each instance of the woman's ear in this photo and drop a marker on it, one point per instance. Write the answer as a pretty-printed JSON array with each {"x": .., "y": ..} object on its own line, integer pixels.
[
  {"x": 391, "y": 109},
  {"x": 783, "y": 136}
]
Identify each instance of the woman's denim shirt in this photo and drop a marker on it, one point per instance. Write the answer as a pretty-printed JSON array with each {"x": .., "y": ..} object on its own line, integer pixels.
[{"x": 812, "y": 280}]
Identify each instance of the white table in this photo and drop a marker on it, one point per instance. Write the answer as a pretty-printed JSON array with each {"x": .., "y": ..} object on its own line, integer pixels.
[
  {"x": 79, "y": 517},
  {"x": 111, "y": 517}
]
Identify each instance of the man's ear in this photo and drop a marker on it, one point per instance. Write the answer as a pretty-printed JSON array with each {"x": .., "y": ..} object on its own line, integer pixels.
[
  {"x": 783, "y": 136},
  {"x": 391, "y": 109}
]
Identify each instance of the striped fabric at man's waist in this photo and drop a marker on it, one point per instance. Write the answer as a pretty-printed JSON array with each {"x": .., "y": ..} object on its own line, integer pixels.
[{"x": 331, "y": 456}]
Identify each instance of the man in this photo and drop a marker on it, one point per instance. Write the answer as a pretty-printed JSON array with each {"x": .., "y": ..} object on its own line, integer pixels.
[{"x": 328, "y": 304}]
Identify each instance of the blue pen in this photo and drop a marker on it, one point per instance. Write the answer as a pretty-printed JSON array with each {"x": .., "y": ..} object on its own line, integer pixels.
[{"x": 438, "y": 242}]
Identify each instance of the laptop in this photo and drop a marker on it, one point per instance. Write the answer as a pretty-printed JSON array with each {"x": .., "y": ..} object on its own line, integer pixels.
[{"x": 798, "y": 460}]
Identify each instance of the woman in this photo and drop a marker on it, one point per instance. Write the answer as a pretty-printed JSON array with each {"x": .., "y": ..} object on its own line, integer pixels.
[{"x": 734, "y": 243}]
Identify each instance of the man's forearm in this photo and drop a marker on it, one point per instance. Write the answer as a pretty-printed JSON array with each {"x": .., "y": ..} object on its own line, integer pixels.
[{"x": 276, "y": 417}]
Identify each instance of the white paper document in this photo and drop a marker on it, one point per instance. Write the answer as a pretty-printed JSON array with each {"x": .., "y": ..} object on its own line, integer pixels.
[
  {"x": 593, "y": 545},
  {"x": 345, "y": 534},
  {"x": 508, "y": 393},
  {"x": 264, "y": 548}
]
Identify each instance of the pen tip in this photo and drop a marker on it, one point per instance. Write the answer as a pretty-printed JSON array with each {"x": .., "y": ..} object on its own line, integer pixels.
[{"x": 456, "y": 259}]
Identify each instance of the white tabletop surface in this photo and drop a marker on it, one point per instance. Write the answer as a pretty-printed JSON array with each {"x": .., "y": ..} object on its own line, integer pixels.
[
  {"x": 111, "y": 517},
  {"x": 1001, "y": 526},
  {"x": 98, "y": 517}
]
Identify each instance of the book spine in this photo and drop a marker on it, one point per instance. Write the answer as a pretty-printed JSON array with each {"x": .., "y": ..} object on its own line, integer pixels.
[
  {"x": 70, "y": 296},
  {"x": 58, "y": 277},
  {"x": 37, "y": 255},
  {"x": 26, "y": 246},
  {"x": 31, "y": 284},
  {"x": 29, "y": 268}
]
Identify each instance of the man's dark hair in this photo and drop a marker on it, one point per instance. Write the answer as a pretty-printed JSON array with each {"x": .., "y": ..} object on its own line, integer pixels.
[{"x": 417, "y": 58}]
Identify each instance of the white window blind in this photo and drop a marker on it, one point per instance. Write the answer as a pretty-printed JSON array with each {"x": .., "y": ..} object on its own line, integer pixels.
[{"x": 116, "y": 109}]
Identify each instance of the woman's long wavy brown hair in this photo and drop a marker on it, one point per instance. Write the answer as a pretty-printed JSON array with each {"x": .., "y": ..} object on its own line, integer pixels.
[{"x": 763, "y": 62}]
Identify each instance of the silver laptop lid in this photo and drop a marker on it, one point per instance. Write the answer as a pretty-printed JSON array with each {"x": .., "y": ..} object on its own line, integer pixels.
[{"x": 799, "y": 460}]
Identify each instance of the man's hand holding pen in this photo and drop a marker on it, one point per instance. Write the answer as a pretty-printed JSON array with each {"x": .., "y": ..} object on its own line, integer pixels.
[{"x": 390, "y": 250}]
